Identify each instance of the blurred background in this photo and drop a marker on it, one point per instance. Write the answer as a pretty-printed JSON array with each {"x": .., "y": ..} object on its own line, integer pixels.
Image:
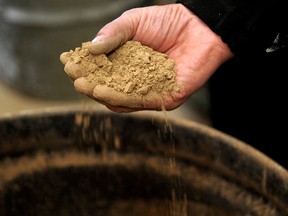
[{"x": 34, "y": 33}]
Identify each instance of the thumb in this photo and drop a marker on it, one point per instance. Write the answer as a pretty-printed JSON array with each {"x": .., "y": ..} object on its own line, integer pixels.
[
  {"x": 115, "y": 33},
  {"x": 105, "y": 44}
]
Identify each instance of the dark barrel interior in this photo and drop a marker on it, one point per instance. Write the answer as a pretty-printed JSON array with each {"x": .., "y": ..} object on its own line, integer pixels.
[{"x": 88, "y": 162}]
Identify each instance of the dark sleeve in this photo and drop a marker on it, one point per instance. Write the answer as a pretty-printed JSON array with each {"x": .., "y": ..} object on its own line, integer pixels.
[{"x": 242, "y": 24}]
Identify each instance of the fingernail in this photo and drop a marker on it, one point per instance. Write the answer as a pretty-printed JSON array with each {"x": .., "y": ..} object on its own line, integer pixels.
[{"x": 97, "y": 39}]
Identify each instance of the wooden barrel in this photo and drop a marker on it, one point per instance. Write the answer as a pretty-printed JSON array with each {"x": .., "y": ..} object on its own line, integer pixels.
[{"x": 89, "y": 162}]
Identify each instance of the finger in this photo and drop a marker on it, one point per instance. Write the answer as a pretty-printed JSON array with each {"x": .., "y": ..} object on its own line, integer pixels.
[
  {"x": 120, "y": 102},
  {"x": 84, "y": 86},
  {"x": 116, "y": 33},
  {"x": 73, "y": 70},
  {"x": 102, "y": 45},
  {"x": 120, "y": 109},
  {"x": 115, "y": 98},
  {"x": 65, "y": 57}
]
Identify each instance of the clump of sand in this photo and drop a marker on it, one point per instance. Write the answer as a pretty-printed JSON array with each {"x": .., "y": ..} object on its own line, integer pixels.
[{"x": 132, "y": 69}]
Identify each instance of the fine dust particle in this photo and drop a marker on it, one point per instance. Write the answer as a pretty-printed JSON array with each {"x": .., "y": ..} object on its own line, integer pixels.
[{"x": 133, "y": 69}]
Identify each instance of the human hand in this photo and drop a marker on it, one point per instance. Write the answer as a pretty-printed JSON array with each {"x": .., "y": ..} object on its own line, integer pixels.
[{"x": 170, "y": 29}]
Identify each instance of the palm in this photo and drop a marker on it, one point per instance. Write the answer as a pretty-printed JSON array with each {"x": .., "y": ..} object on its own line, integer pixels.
[{"x": 174, "y": 30}]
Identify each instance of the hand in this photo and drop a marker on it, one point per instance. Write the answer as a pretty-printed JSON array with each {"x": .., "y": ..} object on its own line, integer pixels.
[{"x": 171, "y": 29}]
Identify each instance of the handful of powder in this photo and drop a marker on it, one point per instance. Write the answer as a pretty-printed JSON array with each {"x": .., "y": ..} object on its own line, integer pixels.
[{"x": 132, "y": 69}]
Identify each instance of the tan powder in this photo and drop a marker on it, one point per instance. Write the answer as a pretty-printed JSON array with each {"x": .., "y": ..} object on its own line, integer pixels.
[{"x": 133, "y": 69}]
